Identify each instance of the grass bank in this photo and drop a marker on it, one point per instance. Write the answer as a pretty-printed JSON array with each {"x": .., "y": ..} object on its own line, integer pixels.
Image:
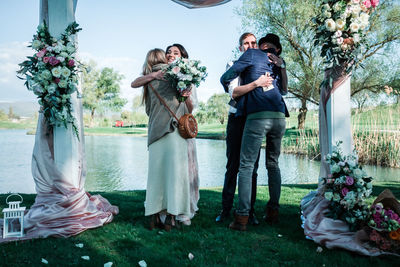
[{"x": 126, "y": 240}]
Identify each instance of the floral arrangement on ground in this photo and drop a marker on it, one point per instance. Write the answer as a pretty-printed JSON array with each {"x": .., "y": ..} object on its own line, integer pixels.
[
  {"x": 184, "y": 74},
  {"x": 52, "y": 74}
]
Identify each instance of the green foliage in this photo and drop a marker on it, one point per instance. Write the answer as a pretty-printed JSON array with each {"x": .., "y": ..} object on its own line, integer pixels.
[
  {"x": 101, "y": 89},
  {"x": 215, "y": 109},
  {"x": 3, "y": 116}
]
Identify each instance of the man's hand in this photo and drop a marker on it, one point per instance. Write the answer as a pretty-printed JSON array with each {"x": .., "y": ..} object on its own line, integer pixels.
[
  {"x": 264, "y": 81},
  {"x": 278, "y": 61}
]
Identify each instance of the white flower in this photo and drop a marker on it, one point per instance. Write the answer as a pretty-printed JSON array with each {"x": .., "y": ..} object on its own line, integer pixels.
[
  {"x": 369, "y": 185},
  {"x": 330, "y": 25},
  {"x": 188, "y": 77},
  {"x": 340, "y": 23},
  {"x": 335, "y": 168},
  {"x": 328, "y": 195},
  {"x": 364, "y": 17},
  {"x": 70, "y": 49},
  {"x": 52, "y": 88},
  {"x": 181, "y": 85},
  {"x": 56, "y": 72},
  {"x": 327, "y": 14},
  {"x": 46, "y": 74},
  {"x": 65, "y": 72},
  {"x": 355, "y": 10},
  {"x": 338, "y": 33},
  {"x": 61, "y": 59},
  {"x": 339, "y": 41},
  {"x": 36, "y": 44},
  {"x": 357, "y": 173},
  {"x": 63, "y": 84},
  {"x": 326, "y": 7},
  {"x": 337, "y": 6}
]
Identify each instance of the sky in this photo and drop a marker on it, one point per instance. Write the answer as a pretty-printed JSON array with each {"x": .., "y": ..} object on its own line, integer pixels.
[{"x": 119, "y": 34}]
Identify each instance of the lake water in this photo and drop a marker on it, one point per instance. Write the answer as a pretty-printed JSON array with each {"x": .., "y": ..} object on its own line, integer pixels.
[{"x": 120, "y": 163}]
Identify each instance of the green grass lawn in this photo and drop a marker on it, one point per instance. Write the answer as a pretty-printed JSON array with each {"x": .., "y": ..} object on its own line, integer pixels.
[{"x": 126, "y": 240}]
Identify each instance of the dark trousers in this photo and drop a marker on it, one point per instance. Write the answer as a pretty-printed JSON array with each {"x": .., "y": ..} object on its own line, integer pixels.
[{"x": 234, "y": 133}]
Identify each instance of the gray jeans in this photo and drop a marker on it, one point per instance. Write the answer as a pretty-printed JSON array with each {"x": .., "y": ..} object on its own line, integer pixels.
[{"x": 253, "y": 134}]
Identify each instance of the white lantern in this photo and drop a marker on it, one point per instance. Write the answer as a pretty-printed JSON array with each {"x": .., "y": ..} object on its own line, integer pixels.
[{"x": 13, "y": 218}]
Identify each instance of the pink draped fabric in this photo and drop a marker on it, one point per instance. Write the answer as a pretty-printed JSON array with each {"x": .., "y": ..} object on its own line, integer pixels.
[
  {"x": 200, "y": 3},
  {"x": 60, "y": 209},
  {"x": 321, "y": 229}
]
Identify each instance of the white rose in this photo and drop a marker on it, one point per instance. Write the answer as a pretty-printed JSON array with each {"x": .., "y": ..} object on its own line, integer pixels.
[
  {"x": 364, "y": 17},
  {"x": 46, "y": 75},
  {"x": 70, "y": 49},
  {"x": 330, "y": 25},
  {"x": 65, "y": 72},
  {"x": 61, "y": 59},
  {"x": 188, "y": 77},
  {"x": 63, "y": 84},
  {"x": 56, "y": 72},
  {"x": 357, "y": 173},
  {"x": 181, "y": 85},
  {"x": 369, "y": 185},
  {"x": 337, "y": 7},
  {"x": 339, "y": 40},
  {"x": 52, "y": 88},
  {"x": 338, "y": 33},
  {"x": 340, "y": 25},
  {"x": 355, "y": 10},
  {"x": 36, "y": 44},
  {"x": 326, "y": 14}
]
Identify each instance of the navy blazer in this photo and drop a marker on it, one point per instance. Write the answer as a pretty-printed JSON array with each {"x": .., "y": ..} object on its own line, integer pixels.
[{"x": 250, "y": 66}]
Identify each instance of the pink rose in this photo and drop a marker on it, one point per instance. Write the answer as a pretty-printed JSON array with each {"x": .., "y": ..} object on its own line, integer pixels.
[
  {"x": 367, "y": 3},
  {"x": 45, "y": 59},
  {"x": 71, "y": 63},
  {"x": 349, "y": 180},
  {"x": 374, "y": 3},
  {"x": 345, "y": 191},
  {"x": 53, "y": 61},
  {"x": 41, "y": 53},
  {"x": 57, "y": 80},
  {"x": 176, "y": 70}
]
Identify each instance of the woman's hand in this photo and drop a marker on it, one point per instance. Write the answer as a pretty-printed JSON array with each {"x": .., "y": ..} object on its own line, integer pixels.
[
  {"x": 158, "y": 75},
  {"x": 264, "y": 81},
  {"x": 278, "y": 61}
]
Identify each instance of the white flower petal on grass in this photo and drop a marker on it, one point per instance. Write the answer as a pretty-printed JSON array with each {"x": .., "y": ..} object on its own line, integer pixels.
[
  {"x": 108, "y": 264},
  {"x": 45, "y": 261},
  {"x": 80, "y": 245},
  {"x": 142, "y": 263},
  {"x": 279, "y": 235},
  {"x": 190, "y": 256},
  {"x": 86, "y": 258},
  {"x": 319, "y": 250}
]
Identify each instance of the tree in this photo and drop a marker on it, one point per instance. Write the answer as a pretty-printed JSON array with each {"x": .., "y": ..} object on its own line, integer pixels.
[
  {"x": 101, "y": 89},
  {"x": 291, "y": 20},
  {"x": 3, "y": 116}
]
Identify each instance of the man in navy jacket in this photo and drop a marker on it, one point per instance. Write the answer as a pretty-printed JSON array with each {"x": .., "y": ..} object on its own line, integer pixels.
[{"x": 265, "y": 110}]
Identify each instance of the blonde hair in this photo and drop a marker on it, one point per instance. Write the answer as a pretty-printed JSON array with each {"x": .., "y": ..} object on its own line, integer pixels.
[{"x": 154, "y": 56}]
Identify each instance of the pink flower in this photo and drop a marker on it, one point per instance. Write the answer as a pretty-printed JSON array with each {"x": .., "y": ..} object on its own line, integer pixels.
[
  {"x": 367, "y": 3},
  {"x": 394, "y": 216},
  {"x": 46, "y": 59},
  {"x": 57, "y": 80},
  {"x": 374, "y": 3},
  {"x": 374, "y": 236},
  {"x": 349, "y": 180},
  {"x": 41, "y": 53},
  {"x": 53, "y": 61},
  {"x": 176, "y": 70},
  {"x": 71, "y": 63},
  {"x": 345, "y": 191}
]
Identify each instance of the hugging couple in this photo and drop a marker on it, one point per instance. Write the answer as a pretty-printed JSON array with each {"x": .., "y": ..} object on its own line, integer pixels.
[{"x": 256, "y": 83}]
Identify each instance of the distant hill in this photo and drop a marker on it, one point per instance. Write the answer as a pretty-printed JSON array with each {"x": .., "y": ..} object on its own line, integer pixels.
[{"x": 22, "y": 109}]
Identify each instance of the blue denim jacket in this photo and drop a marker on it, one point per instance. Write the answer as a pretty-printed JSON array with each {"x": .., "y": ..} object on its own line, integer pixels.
[{"x": 250, "y": 66}]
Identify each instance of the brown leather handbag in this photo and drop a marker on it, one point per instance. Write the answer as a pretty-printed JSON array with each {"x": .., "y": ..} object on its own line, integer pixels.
[{"x": 187, "y": 124}]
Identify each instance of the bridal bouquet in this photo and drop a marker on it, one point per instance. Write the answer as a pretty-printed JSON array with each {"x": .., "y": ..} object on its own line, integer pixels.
[
  {"x": 347, "y": 188},
  {"x": 340, "y": 29},
  {"x": 185, "y": 73},
  {"x": 52, "y": 74}
]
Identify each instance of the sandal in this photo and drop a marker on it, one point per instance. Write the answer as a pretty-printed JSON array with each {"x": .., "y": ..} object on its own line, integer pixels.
[{"x": 168, "y": 222}]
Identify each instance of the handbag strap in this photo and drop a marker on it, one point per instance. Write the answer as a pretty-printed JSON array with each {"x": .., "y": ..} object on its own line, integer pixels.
[{"x": 163, "y": 102}]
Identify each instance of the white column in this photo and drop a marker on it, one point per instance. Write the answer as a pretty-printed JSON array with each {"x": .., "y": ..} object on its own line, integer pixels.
[
  {"x": 58, "y": 15},
  {"x": 338, "y": 113}
]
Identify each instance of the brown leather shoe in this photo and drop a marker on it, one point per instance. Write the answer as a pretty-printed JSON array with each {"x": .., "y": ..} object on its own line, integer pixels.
[
  {"x": 154, "y": 221},
  {"x": 240, "y": 223},
  {"x": 272, "y": 216}
]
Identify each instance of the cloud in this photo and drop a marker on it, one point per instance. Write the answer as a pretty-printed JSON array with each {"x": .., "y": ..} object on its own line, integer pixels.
[{"x": 12, "y": 88}]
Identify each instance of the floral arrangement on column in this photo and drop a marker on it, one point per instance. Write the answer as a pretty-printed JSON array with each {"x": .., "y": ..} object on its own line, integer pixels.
[{"x": 52, "y": 74}]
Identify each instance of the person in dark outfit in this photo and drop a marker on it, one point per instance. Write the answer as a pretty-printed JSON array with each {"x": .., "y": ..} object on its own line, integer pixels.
[
  {"x": 234, "y": 132},
  {"x": 265, "y": 112}
]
